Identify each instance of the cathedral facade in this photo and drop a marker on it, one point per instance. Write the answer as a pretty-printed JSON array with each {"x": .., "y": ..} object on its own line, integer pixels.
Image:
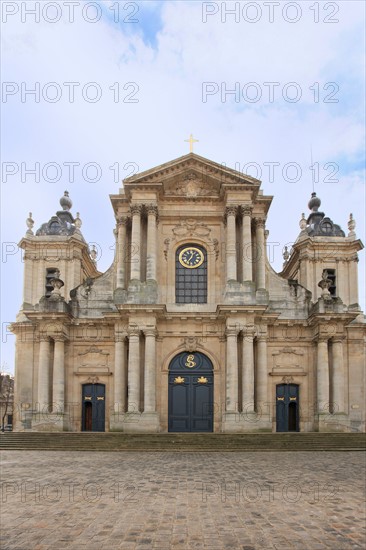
[{"x": 190, "y": 329}]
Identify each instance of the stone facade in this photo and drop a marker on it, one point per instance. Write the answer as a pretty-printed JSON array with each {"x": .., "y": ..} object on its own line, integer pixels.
[{"x": 300, "y": 332}]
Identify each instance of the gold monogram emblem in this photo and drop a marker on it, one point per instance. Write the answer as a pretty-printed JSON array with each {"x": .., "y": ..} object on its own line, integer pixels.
[
  {"x": 178, "y": 380},
  {"x": 190, "y": 362}
]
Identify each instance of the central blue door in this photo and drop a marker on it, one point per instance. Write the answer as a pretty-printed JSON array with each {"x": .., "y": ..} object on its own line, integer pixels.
[{"x": 190, "y": 393}]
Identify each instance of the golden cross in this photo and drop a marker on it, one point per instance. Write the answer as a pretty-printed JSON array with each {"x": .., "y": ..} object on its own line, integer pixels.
[{"x": 191, "y": 141}]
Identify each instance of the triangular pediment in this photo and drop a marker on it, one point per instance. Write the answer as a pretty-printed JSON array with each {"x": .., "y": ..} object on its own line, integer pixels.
[{"x": 190, "y": 176}]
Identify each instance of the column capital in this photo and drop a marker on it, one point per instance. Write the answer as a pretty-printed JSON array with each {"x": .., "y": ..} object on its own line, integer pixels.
[
  {"x": 43, "y": 337},
  {"x": 119, "y": 336},
  {"x": 133, "y": 331},
  {"x": 150, "y": 332},
  {"x": 249, "y": 332},
  {"x": 122, "y": 220},
  {"x": 260, "y": 222},
  {"x": 338, "y": 339},
  {"x": 231, "y": 331},
  {"x": 231, "y": 210},
  {"x": 136, "y": 209},
  {"x": 59, "y": 337},
  {"x": 152, "y": 209},
  {"x": 246, "y": 210},
  {"x": 322, "y": 339}
]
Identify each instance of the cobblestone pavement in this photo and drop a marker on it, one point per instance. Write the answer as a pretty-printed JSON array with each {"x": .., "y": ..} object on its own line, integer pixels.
[{"x": 95, "y": 500}]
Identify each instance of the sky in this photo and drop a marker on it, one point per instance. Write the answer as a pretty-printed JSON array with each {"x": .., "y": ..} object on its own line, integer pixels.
[{"x": 93, "y": 92}]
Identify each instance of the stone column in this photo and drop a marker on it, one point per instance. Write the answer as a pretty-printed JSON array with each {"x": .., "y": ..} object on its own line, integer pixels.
[
  {"x": 119, "y": 372},
  {"x": 58, "y": 399},
  {"x": 260, "y": 255},
  {"x": 231, "y": 369},
  {"x": 44, "y": 372},
  {"x": 134, "y": 371},
  {"x": 136, "y": 242},
  {"x": 247, "y": 243},
  {"x": 322, "y": 370},
  {"x": 152, "y": 216},
  {"x": 231, "y": 271},
  {"x": 338, "y": 388},
  {"x": 262, "y": 374},
  {"x": 121, "y": 251},
  {"x": 150, "y": 369},
  {"x": 248, "y": 370}
]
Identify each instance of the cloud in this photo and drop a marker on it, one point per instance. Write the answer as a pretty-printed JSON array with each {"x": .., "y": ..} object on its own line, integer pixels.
[{"x": 162, "y": 62}]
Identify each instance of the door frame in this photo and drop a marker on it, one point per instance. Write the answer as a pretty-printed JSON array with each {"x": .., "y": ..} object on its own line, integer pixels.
[
  {"x": 191, "y": 379},
  {"x": 95, "y": 394},
  {"x": 287, "y": 394}
]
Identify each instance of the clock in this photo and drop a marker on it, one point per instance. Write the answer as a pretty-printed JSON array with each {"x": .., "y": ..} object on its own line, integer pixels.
[
  {"x": 191, "y": 257},
  {"x": 326, "y": 227}
]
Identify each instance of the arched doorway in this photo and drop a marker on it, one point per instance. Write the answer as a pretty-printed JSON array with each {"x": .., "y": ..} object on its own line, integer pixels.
[
  {"x": 287, "y": 408},
  {"x": 190, "y": 398},
  {"x": 93, "y": 403}
]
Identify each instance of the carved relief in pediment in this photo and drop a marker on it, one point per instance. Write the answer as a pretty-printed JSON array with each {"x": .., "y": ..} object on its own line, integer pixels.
[{"x": 191, "y": 185}]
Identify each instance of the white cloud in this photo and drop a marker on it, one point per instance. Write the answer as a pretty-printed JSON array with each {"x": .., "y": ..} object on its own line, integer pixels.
[{"x": 152, "y": 131}]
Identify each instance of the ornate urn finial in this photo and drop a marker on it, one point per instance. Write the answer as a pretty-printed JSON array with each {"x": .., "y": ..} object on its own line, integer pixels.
[
  {"x": 303, "y": 223},
  {"x": 78, "y": 222},
  {"x": 351, "y": 226},
  {"x": 30, "y": 224}
]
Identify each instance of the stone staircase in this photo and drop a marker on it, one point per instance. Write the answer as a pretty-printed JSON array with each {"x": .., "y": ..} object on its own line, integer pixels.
[{"x": 182, "y": 442}]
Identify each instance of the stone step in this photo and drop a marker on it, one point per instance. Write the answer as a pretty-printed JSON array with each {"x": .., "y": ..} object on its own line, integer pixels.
[{"x": 182, "y": 442}]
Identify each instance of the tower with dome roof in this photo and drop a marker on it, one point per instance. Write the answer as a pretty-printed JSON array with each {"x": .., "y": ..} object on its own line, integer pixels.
[{"x": 323, "y": 246}]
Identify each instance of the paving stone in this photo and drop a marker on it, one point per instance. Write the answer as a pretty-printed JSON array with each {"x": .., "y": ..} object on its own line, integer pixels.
[{"x": 132, "y": 501}]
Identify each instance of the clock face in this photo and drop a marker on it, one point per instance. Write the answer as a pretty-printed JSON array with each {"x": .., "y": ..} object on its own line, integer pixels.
[
  {"x": 191, "y": 257},
  {"x": 326, "y": 227}
]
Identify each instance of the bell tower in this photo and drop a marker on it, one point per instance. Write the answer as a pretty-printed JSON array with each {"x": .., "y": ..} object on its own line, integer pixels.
[
  {"x": 56, "y": 258},
  {"x": 323, "y": 259}
]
